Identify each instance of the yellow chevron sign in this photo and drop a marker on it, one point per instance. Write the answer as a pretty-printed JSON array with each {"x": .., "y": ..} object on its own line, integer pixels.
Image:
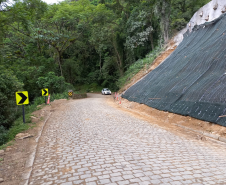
[
  {"x": 45, "y": 92},
  {"x": 22, "y": 98},
  {"x": 70, "y": 93}
]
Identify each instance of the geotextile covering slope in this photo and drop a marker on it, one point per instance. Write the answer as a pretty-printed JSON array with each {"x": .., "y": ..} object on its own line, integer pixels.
[{"x": 192, "y": 80}]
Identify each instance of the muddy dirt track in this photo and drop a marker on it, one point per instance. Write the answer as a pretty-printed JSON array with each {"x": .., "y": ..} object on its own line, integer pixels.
[{"x": 92, "y": 141}]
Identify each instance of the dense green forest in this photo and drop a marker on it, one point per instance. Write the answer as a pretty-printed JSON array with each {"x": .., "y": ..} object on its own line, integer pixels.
[{"x": 89, "y": 43}]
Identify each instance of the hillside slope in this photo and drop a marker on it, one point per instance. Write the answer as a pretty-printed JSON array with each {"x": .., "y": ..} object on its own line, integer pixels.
[
  {"x": 143, "y": 72},
  {"x": 192, "y": 80}
]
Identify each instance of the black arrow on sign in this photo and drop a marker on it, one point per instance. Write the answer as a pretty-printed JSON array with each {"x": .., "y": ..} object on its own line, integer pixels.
[
  {"x": 45, "y": 92},
  {"x": 23, "y": 98}
]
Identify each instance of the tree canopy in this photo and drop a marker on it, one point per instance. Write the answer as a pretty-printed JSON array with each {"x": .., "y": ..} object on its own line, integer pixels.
[{"x": 81, "y": 42}]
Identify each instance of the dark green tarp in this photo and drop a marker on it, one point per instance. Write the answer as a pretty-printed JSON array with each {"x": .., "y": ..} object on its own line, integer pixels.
[{"x": 192, "y": 80}]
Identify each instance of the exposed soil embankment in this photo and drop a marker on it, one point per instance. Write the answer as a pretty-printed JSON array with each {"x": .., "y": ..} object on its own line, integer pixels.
[{"x": 168, "y": 119}]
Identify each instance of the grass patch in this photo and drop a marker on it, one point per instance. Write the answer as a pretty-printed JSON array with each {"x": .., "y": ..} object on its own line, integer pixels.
[
  {"x": 2, "y": 147},
  {"x": 59, "y": 96},
  {"x": 137, "y": 66}
]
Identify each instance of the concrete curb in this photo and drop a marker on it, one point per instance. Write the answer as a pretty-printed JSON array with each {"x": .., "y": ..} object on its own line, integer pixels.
[
  {"x": 216, "y": 137},
  {"x": 30, "y": 161}
]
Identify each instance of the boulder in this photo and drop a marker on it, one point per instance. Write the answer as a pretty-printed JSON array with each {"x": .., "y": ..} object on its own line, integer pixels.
[{"x": 23, "y": 135}]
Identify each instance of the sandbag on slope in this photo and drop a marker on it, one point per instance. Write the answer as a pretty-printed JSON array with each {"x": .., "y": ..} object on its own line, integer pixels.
[{"x": 192, "y": 81}]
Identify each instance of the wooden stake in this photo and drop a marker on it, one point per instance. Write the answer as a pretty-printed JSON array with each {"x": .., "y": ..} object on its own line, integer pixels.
[{"x": 222, "y": 116}]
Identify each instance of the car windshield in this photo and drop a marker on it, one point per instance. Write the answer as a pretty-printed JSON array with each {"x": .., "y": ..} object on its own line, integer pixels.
[{"x": 106, "y": 90}]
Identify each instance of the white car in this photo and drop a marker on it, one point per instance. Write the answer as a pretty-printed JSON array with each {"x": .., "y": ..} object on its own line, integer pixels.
[{"x": 105, "y": 91}]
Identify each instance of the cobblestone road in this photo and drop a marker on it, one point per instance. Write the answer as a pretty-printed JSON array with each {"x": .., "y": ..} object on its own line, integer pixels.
[{"x": 91, "y": 143}]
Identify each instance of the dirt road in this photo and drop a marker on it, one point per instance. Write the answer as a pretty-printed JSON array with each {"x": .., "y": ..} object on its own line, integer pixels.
[{"x": 88, "y": 141}]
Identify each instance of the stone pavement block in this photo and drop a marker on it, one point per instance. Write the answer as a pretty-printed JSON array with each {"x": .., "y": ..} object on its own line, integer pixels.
[
  {"x": 73, "y": 178},
  {"x": 117, "y": 170},
  {"x": 104, "y": 177},
  {"x": 219, "y": 176},
  {"x": 176, "y": 174},
  {"x": 176, "y": 183},
  {"x": 155, "y": 181},
  {"x": 82, "y": 169},
  {"x": 148, "y": 173},
  {"x": 103, "y": 171},
  {"x": 76, "y": 167},
  {"x": 165, "y": 175},
  {"x": 176, "y": 178},
  {"x": 115, "y": 174},
  {"x": 85, "y": 176},
  {"x": 123, "y": 182},
  {"x": 186, "y": 182},
  {"x": 104, "y": 181},
  {"x": 187, "y": 176},
  {"x": 60, "y": 181},
  {"x": 78, "y": 182},
  {"x": 145, "y": 179},
  {"x": 157, "y": 172},
  {"x": 138, "y": 174},
  {"x": 186, "y": 173},
  {"x": 207, "y": 174},
  {"x": 165, "y": 171},
  {"x": 144, "y": 183},
  {"x": 166, "y": 180},
  {"x": 128, "y": 176},
  {"x": 135, "y": 180},
  {"x": 155, "y": 177},
  {"x": 65, "y": 176},
  {"x": 91, "y": 183},
  {"x": 47, "y": 183},
  {"x": 67, "y": 183},
  {"x": 116, "y": 179}
]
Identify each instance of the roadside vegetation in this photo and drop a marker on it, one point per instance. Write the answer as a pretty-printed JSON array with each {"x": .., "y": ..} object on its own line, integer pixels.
[
  {"x": 82, "y": 45},
  {"x": 7, "y": 135},
  {"x": 144, "y": 63}
]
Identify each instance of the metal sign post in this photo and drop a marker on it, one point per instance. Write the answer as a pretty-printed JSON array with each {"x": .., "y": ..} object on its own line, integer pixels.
[
  {"x": 45, "y": 92},
  {"x": 23, "y": 113},
  {"x": 22, "y": 99}
]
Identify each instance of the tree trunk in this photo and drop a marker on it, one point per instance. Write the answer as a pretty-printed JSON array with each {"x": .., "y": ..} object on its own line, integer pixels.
[
  {"x": 166, "y": 31},
  {"x": 165, "y": 19},
  {"x": 100, "y": 62},
  {"x": 119, "y": 61},
  {"x": 152, "y": 42},
  {"x": 59, "y": 61}
]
